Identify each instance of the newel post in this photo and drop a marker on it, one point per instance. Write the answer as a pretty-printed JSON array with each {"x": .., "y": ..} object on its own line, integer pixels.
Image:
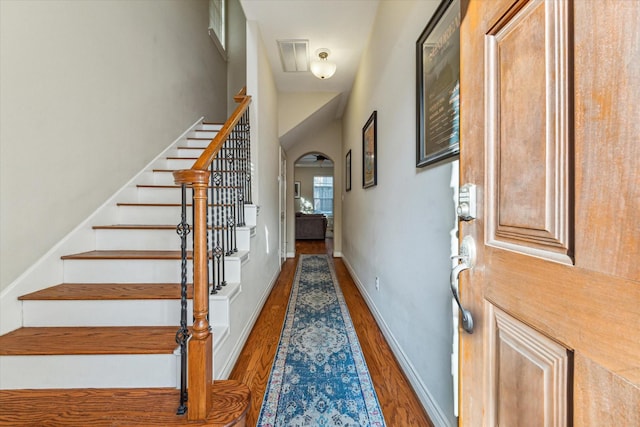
[{"x": 200, "y": 354}]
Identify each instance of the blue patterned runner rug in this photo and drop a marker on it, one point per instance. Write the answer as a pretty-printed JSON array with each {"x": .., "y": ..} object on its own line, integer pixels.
[{"x": 319, "y": 376}]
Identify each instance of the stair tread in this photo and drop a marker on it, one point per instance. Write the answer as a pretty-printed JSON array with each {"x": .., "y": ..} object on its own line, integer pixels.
[
  {"x": 152, "y": 204},
  {"x": 109, "y": 291},
  {"x": 160, "y": 186},
  {"x": 135, "y": 227},
  {"x": 196, "y": 158},
  {"x": 126, "y": 254},
  {"x": 141, "y": 227},
  {"x": 89, "y": 340},
  {"x": 118, "y": 406},
  {"x": 132, "y": 254},
  {"x": 182, "y": 147}
]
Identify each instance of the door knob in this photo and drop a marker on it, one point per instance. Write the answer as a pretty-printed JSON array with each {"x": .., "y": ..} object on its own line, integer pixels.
[{"x": 466, "y": 260}]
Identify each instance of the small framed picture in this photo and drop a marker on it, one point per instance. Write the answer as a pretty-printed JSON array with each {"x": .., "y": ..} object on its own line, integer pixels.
[
  {"x": 296, "y": 190},
  {"x": 347, "y": 172},
  {"x": 369, "y": 155}
]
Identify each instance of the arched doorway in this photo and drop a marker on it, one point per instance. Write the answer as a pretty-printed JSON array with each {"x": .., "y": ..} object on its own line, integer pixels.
[{"x": 314, "y": 196}]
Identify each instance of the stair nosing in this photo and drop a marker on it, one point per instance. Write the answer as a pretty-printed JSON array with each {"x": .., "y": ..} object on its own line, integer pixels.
[
  {"x": 125, "y": 254},
  {"x": 108, "y": 292},
  {"x": 88, "y": 340}
]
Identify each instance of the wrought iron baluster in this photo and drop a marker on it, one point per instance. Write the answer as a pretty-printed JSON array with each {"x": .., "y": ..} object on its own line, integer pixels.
[
  {"x": 225, "y": 195},
  {"x": 183, "y": 334},
  {"x": 239, "y": 186},
  {"x": 221, "y": 251},
  {"x": 231, "y": 209},
  {"x": 218, "y": 250},
  {"x": 247, "y": 142}
]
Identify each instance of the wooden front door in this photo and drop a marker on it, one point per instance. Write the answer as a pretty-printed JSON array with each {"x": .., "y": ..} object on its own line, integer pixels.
[{"x": 550, "y": 134}]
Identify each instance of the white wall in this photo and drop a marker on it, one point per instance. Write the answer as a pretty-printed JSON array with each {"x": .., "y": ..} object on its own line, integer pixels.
[
  {"x": 399, "y": 230},
  {"x": 296, "y": 107},
  {"x": 260, "y": 273},
  {"x": 236, "y": 52},
  {"x": 90, "y": 92},
  {"x": 327, "y": 141}
]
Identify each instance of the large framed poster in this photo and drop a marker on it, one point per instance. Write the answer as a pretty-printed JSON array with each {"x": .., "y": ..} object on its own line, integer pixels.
[{"x": 438, "y": 86}]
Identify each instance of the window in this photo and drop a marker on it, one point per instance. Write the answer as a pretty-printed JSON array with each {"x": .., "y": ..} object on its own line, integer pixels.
[
  {"x": 323, "y": 195},
  {"x": 217, "y": 23}
]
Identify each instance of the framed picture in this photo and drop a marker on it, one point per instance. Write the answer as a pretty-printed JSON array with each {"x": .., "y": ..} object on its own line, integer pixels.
[
  {"x": 296, "y": 190},
  {"x": 369, "y": 155},
  {"x": 438, "y": 86},
  {"x": 347, "y": 172}
]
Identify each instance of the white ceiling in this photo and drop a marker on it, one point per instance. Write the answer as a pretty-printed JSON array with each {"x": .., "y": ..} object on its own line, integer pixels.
[{"x": 343, "y": 26}]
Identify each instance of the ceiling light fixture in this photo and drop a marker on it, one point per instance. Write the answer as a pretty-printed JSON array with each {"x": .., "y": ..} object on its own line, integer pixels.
[{"x": 323, "y": 69}]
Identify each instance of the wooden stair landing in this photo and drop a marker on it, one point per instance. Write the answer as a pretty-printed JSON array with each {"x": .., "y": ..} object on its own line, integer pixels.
[{"x": 119, "y": 407}]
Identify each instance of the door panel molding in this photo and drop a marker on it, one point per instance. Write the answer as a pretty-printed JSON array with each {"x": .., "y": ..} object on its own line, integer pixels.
[
  {"x": 589, "y": 306},
  {"x": 521, "y": 358},
  {"x": 528, "y": 164}
]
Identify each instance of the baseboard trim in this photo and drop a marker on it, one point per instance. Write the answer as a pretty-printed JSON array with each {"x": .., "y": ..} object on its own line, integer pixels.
[{"x": 433, "y": 409}]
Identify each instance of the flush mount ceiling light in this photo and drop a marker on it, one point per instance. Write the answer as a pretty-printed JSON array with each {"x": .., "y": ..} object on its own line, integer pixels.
[{"x": 323, "y": 69}]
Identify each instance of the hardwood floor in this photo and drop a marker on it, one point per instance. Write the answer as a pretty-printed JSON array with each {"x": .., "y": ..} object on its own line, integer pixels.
[
  {"x": 117, "y": 407},
  {"x": 399, "y": 403}
]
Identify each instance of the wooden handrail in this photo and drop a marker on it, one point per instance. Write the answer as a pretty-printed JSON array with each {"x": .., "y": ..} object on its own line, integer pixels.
[
  {"x": 200, "y": 354},
  {"x": 205, "y": 159}
]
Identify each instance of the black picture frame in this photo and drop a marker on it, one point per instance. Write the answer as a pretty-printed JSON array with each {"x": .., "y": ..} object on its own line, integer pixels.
[
  {"x": 369, "y": 152},
  {"x": 296, "y": 190},
  {"x": 438, "y": 86},
  {"x": 347, "y": 172}
]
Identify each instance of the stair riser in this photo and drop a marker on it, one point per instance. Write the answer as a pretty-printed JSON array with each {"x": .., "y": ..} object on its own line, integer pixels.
[
  {"x": 163, "y": 215},
  {"x": 195, "y": 141},
  {"x": 151, "y": 215},
  {"x": 176, "y": 164},
  {"x": 209, "y": 127},
  {"x": 104, "y": 313},
  {"x": 156, "y": 240},
  {"x": 159, "y": 178},
  {"x": 137, "y": 271},
  {"x": 89, "y": 371},
  {"x": 161, "y": 195},
  {"x": 123, "y": 239},
  {"x": 210, "y": 134},
  {"x": 188, "y": 152},
  {"x": 162, "y": 178},
  {"x": 118, "y": 312}
]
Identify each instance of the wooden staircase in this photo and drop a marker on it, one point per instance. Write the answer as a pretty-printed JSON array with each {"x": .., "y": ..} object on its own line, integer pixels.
[{"x": 100, "y": 348}]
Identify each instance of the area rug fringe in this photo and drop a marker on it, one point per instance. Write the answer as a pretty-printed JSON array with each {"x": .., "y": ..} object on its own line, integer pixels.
[{"x": 319, "y": 376}]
